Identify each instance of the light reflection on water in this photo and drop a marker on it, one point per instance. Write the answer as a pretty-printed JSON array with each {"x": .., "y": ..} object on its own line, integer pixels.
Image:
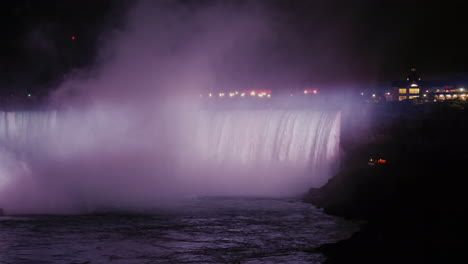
[{"x": 204, "y": 230}]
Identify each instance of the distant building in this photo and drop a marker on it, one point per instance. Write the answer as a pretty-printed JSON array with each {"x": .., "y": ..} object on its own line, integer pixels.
[
  {"x": 410, "y": 88},
  {"x": 413, "y": 87}
]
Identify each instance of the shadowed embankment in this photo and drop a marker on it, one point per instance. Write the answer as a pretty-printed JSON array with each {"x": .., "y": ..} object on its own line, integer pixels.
[{"x": 414, "y": 205}]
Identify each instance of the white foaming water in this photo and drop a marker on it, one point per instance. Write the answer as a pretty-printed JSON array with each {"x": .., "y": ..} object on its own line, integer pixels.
[{"x": 110, "y": 158}]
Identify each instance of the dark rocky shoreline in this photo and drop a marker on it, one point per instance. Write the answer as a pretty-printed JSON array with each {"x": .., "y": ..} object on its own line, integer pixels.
[{"x": 414, "y": 205}]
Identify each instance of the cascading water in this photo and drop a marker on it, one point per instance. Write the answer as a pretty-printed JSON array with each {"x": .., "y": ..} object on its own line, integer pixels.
[
  {"x": 22, "y": 131},
  {"x": 303, "y": 138},
  {"x": 277, "y": 151},
  {"x": 111, "y": 157}
]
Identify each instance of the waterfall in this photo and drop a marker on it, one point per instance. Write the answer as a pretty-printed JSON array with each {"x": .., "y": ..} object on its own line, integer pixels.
[
  {"x": 274, "y": 149},
  {"x": 304, "y": 138},
  {"x": 222, "y": 152},
  {"x": 23, "y": 131}
]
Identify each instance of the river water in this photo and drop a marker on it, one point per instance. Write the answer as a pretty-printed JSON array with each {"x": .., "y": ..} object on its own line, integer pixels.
[{"x": 197, "y": 230}]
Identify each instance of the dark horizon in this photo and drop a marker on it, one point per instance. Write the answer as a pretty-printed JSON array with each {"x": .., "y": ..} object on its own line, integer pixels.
[{"x": 360, "y": 43}]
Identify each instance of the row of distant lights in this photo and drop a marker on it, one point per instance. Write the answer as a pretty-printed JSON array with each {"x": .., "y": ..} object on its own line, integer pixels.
[
  {"x": 260, "y": 94},
  {"x": 452, "y": 96},
  {"x": 243, "y": 94},
  {"x": 373, "y": 95}
]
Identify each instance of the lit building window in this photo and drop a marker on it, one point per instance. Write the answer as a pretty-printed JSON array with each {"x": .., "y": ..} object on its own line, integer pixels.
[
  {"x": 414, "y": 90},
  {"x": 414, "y": 85},
  {"x": 400, "y": 98},
  {"x": 413, "y": 96},
  {"x": 402, "y": 91}
]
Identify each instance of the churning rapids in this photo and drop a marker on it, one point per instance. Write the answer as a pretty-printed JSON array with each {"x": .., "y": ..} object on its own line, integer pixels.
[{"x": 203, "y": 230}]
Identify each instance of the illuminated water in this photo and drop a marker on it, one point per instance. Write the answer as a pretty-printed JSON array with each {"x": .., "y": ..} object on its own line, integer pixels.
[
  {"x": 205, "y": 230},
  {"x": 76, "y": 161},
  {"x": 79, "y": 162},
  {"x": 292, "y": 148}
]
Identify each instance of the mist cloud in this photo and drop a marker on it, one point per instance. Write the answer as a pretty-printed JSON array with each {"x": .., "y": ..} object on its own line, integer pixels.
[{"x": 128, "y": 130}]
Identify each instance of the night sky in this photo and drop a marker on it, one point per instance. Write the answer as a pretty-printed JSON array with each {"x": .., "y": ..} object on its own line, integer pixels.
[{"x": 371, "y": 41}]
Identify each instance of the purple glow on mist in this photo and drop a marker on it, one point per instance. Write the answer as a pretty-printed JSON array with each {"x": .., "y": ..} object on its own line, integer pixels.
[{"x": 130, "y": 132}]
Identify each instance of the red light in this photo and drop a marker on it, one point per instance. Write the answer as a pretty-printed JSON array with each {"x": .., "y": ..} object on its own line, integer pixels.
[
  {"x": 73, "y": 37},
  {"x": 309, "y": 91}
]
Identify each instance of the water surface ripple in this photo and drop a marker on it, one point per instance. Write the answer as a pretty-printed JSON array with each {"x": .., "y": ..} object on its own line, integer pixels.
[{"x": 204, "y": 230}]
